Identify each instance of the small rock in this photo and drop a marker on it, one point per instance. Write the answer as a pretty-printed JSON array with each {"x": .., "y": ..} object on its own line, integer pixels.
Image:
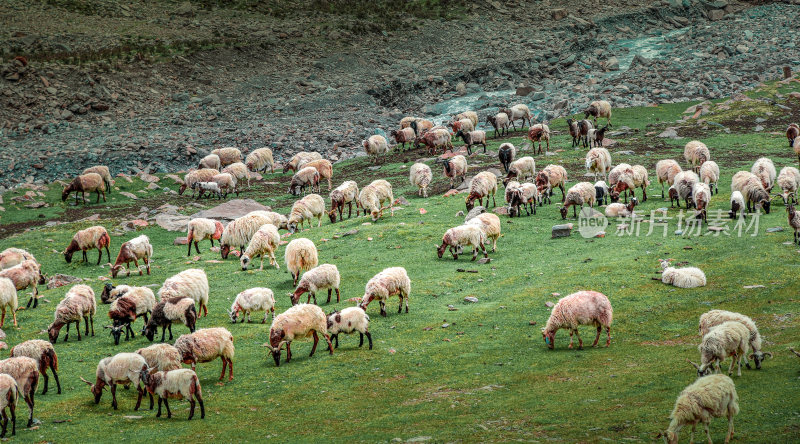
[
  {"x": 612, "y": 64},
  {"x": 549, "y": 304},
  {"x": 531, "y": 322},
  {"x": 350, "y": 233},
  {"x": 562, "y": 230},
  {"x": 774, "y": 229},
  {"x": 180, "y": 241},
  {"x": 669, "y": 133},
  {"x": 59, "y": 280},
  {"x": 401, "y": 201},
  {"x": 558, "y": 14},
  {"x": 474, "y": 212},
  {"x": 472, "y": 299},
  {"x": 460, "y": 214},
  {"x": 753, "y": 286},
  {"x": 484, "y": 260},
  {"x": 445, "y": 325}
]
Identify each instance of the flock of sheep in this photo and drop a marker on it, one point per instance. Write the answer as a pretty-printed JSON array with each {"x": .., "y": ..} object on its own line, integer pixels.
[{"x": 183, "y": 298}]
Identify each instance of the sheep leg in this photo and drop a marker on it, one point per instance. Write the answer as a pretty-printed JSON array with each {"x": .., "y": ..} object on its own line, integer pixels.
[
  {"x": 230, "y": 369},
  {"x": 200, "y": 401},
  {"x": 139, "y": 397},
  {"x": 597, "y": 338},
  {"x": 337, "y": 295},
  {"x": 170, "y": 331},
  {"x": 55, "y": 376},
  {"x": 44, "y": 375},
  {"x": 316, "y": 340},
  {"x": 163, "y": 330},
  {"x": 330, "y": 291},
  {"x": 580, "y": 341},
  {"x": 570, "y": 339},
  {"x": 288, "y": 351},
  {"x": 66, "y": 336},
  {"x": 13, "y": 409},
  {"x": 727, "y": 437},
  {"x": 335, "y": 338},
  {"x": 30, "y": 402},
  {"x": 83, "y": 254},
  {"x": 78, "y": 327},
  {"x": 114, "y": 395},
  {"x": 91, "y": 321},
  {"x": 224, "y": 365},
  {"x": 3, "y": 422},
  {"x": 191, "y": 408},
  {"x": 369, "y": 338},
  {"x": 261, "y": 268},
  {"x": 328, "y": 340},
  {"x": 158, "y": 415},
  {"x": 708, "y": 433},
  {"x": 166, "y": 404},
  {"x": 608, "y": 332}
]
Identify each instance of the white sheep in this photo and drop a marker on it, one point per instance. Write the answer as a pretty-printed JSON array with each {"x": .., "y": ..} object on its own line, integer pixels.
[
  {"x": 250, "y": 300},
  {"x": 581, "y": 308},
  {"x": 91, "y": 238},
  {"x": 206, "y": 345},
  {"x": 45, "y": 356},
  {"x": 598, "y": 161},
  {"x": 299, "y": 321},
  {"x": 579, "y": 194},
  {"x": 373, "y": 196},
  {"x": 764, "y": 169},
  {"x": 239, "y": 232},
  {"x": 601, "y": 192},
  {"x": 737, "y": 204},
  {"x": 279, "y": 220},
  {"x": 389, "y": 282},
  {"x": 305, "y": 210},
  {"x": 25, "y": 372},
  {"x": 210, "y": 161},
  {"x": 300, "y": 255},
  {"x": 299, "y": 159},
  {"x": 521, "y": 169},
  {"x": 138, "y": 248},
  {"x": 403, "y": 135},
  {"x": 138, "y": 301},
  {"x": 212, "y": 188},
  {"x": 463, "y": 125},
  {"x": 628, "y": 179},
  {"x": 9, "y": 395},
  {"x": 701, "y": 196},
  {"x": 454, "y": 167},
  {"x": 666, "y": 170},
  {"x": 228, "y": 155},
  {"x": 537, "y": 133},
  {"x": 200, "y": 229},
  {"x": 728, "y": 339},
  {"x": 192, "y": 177},
  {"x": 26, "y": 274},
  {"x": 696, "y": 153},
  {"x": 346, "y": 193},
  {"x": 471, "y": 115},
  {"x": 91, "y": 182},
  {"x": 473, "y": 137},
  {"x": 621, "y": 210},
  {"x": 122, "y": 368},
  {"x": 796, "y": 148},
  {"x": 490, "y": 224},
  {"x": 686, "y": 277},
  {"x": 349, "y": 320},
  {"x": 526, "y": 195},
  {"x": 789, "y": 182},
  {"x": 709, "y": 174},
  {"x": 181, "y": 383},
  {"x": 483, "y": 185},
  {"x": 519, "y": 111},
  {"x": 712, "y": 318},
  {"x": 325, "y": 276},
  {"x": 104, "y": 172},
  {"x": 500, "y": 123},
  {"x": 260, "y": 159},
  {"x": 599, "y": 108},
  {"x": 375, "y": 146},
  {"x": 191, "y": 283},
  {"x": 684, "y": 184},
  {"x": 161, "y": 357},
  {"x": 264, "y": 242},
  {"x": 307, "y": 176},
  {"x": 752, "y": 189},
  {"x": 420, "y": 176},
  {"x": 78, "y": 303},
  {"x": 8, "y": 300},
  {"x": 324, "y": 168},
  {"x": 550, "y": 177},
  {"x": 463, "y": 235},
  {"x": 709, "y": 397},
  {"x": 14, "y": 256},
  {"x": 226, "y": 183}
]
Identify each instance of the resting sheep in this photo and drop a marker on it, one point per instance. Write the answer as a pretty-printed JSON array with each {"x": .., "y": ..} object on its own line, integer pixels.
[
  {"x": 686, "y": 277},
  {"x": 621, "y": 210},
  {"x": 581, "y": 308}
]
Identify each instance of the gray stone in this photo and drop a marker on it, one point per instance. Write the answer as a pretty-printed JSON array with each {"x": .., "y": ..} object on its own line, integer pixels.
[
  {"x": 774, "y": 230},
  {"x": 524, "y": 90},
  {"x": 474, "y": 212},
  {"x": 538, "y": 95},
  {"x": 716, "y": 14},
  {"x": 231, "y": 210},
  {"x": 670, "y": 133},
  {"x": 626, "y": 153},
  {"x": 60, "y": 280},
  {"x": 549, "y": 304},
  {"x": 460, "y": 214},
  {"x": 173, "y": 222},
  {"x": 471, "y": 299},
  {"x": 562, "y": 230},
  {"x": 612, "y": 64}
]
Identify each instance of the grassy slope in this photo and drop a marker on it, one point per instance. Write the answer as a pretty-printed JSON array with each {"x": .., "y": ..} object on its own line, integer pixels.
[{"x": 488, "y": 376}]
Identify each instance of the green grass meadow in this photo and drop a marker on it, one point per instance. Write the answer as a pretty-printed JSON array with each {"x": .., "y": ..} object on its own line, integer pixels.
[{"x": 488, "y": 376}]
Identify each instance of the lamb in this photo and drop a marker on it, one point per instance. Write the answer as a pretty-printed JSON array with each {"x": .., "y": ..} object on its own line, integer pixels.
[
  {"x": 596, "y": 136},
  {"x": 192, "y": 177},
  {"x": 78, "y": 303},
  {"x": 14, "y": 256},
  {"x": 764, "y": 169},
  {"x": 210, "y": 161},
  {"x": 526, "y": 195},
  {"x": 264, "y": 242},
  {"x": 522, "y": 168},
  {"x": 584, "y": 126},
  {"x": 635, "y": 177},
  {"x": 45, "y": 356},
  {"x": 318, "y": 278},
  {"x": 181, "y": 383},
  {"x": 454, "y": 167},
  {"x": 9, "y": 395},
  {"x": 239, "y": 232},
  {"x": 389, "y": 282},
  {"x": 161, "y": 357},
  {"x": 200, "y": 229},
  {"x": 737, "y": 204},
  {"x": 708, "y": 397},
  {"x": 789, "y": 181},
  {"x": 435, "y": 138},
  {"x": 730, "y": 338},
  {"x": 168, "y": 312},
  {"x": 300, "y": 159},
  {"x": 506, "y": 153},
  {"x": 250, "y": 300},
  {"x": 792, "y": 132},
  {"x": 421, "y": 126},
  {"x": 349, "y": 320},
  {"x": 373, "y": 196},
  {"x": 24, "y": 275},
  {"x": 574, "y": 131},
  {"x": 324, "y": 168},
  {"x": 598, "y": 161},
  {"x": 299, "y": 321},
  {"x": 696, "y": 153},
  {"x": 259, "y": 160},
  {"x": 713, "y": 318},
  {"x": 601, "y": 192},
  {"x": 191, "y": 283},
  {"x": 346, "y": 193},
  {"x": 375, "y": 146},
  {"x": 666, "y": 170},
  {"x": 471, "y": 115},
  {"x": 138, "y": 301},
  {"x": 206, "y": 345},
  {"x": 239, "y": 171},
  {"x": 228, "y": 155},
  {"x": 462, "y": 125},
  {"x": 89, "y": 239},
  {"x": 621, "y": 210},
  {"x": 122, "y": 368},
  {"x": 582, "y": 308},
  {"x": 794, "y": 222},
  {"x": 537, "y": 133},
  {"x": 684, "y": 184},
  {"x": 306, "y": 209},
  {"x": 460, "y": 236},
  {"x": 709, "y": 175},
  {"x": 420, "y": 176},
  {"x": 599, "y": 108},
  {"x": 25, "y": 372},
  {"x": 137, "y": 248},
  {"x": 578, "y": 195},
  {"x": 483, "y": 185},
  {"x": 91, "y": 182},
  {"x": 686, "y": 277},
  {"x": 470, "y": 138},
  {"x": 300, "y": 255},
  {"x": 519, "y": 111},
  {"x": 220, "y": 185},
  {"x": 104, "y": 172},
  {"x": 404, "y": 135},
  {"x": 500, "y": 123},
  {"x": 303, "y": 178},
  {"x": 490, "y": 224},
  {"x": 550, "y": 177},
  {"x": 701, "y": 195},
  {"x": 8, "y": 299}
]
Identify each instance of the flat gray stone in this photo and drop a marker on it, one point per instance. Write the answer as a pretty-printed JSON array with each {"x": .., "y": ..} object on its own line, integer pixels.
[{"x": 231, "y": 209}]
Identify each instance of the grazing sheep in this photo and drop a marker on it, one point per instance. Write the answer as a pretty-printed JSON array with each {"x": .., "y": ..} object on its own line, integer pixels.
[
  {"x": 250, "y": 300},
  {"x": 421, "y": 126},
  {"x": 84, "y": 183},
  {"x": 161, "y": 357},
  {"x": 454, "y": 167},
  {"x": 596, "y": 136},
  {"x": 601, "y": 192},
  {"x": 404, "y": 135},
  {"x": 709, "y": 175},
  {"x": 506, "y": 153},
  {"x": 206, "y": 345},
  {"x": 490, "y": 224},
  {"x": 511, "y": 186},
  {"x": 306, "y": 209},
  {"x": 789, "y": 181},
  {"x": 483, "y": 185},
  {"x": 708, "y": 397},
  {"x": 299, "y": 321},
  {"x": 621, "y": 210},
  {"x": 9, "y": 395},
  {"x": 89, "y": 239},
  {"x": 239, "y": 232},
  {"x": 77, "y": 303},
  {"x": 308, "y": 176},
  {"x": 349, "y": 320},
  {"x": 192, "y": 177},
  {"x": 375, "y": 146},
  {"x": 228, "y": 155},
  {"x": 794, "y": 222},
  {"x": 696, "y": 153},
  {"x": 523, "y": 168},
  {"x": 584, "y": 126},
  {"x": 616, "y": 172},
  {"x": 280, "y": 221},
  {"x": 211, "y": 161},
  {"x": 792, "y": 132},
  {"x": 138, "y": 301},
  {"x": 550, "y": 177},
  {"x": 737, "y": 204},
  {"x": 122, "y": 368},
  {"x": 753, "y": 191},
  {"x": 324, "y": 168},
  {"x": 579, "y": 194},
  {"x": 519, "y": 111},
  {"x": 598, "y": 161},
  {"x": 796, "y": 148},
  {"x": 666, "y": 170},
  {"x": 300, "y": 255},
  {"x": 713, "y": 318},
  {"x": 471, "y": 115},
  {"x": 45, "y": 356},
  {"x": 259, "y": 160},
  {"x": 598, "y": 108},
  {"x": 581, "y": 308},
  {"x": 168, "y": 312},
  {"x": 500, "y": 123},
  {"x": 537, "y": 133},
  {"x": 200, "y": 229},
  {"x": 300, "y": 159},
  {"x": 629, "y": 180},
  {"x": 373, "y": 196},
  {"x": 526, "y": 195},
  {"x": 14, "y": 256},
  {"x": 764, "y": 169},
  {"x": 239, "y": 172},
  {"x": 701, "y": 195},
  {"x": 219, "y": 183},
  {"x": 463, "y": 125},
  {"x": 346, "y": 193},
  {"x": 389, "y": 282},
  {"x": 434, "y": 139},
  {"x": 325, "y": 276},
  {"x": 470, "y": 138},
  {"x": 137, "y": 248},
  {"x": 574, "y": 131},
  {"x": 191, "y": 283},
  {"x": 684, "y": 184},
  {"x": 26, "y": 274},
  {"x": 420, "y": 176},
  {"x": 463, "y": 235},
  {"x": 730, "y": 338},
  {"x": 181, "y": 383},
  {"x": 8, "y": 300},
  {"x": 104, "y": 172},
  {"x": 25, "y": 372},
  {"x": 265, "y": 241},
  {"x": 686, "y": 277}
]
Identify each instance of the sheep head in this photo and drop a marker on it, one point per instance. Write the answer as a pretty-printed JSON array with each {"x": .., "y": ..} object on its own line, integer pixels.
[
  {"x": 225, "y": 250},
  {"x": 149, "y": 331},
  {"x": 65, "y": 193},
  {"x": 116, "y": 331},
  {"x": 181, "y": 189},
  {"x": 245, "y": 262},
  {"x": 549, "y": 338},
  {"x": 115, "y": 270},
  {"x": 96, "y": 389},
  {"x": 276, "y": 341},
  {"x": 758, "y": 357},
  {"x": 563, "y": 211}
]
